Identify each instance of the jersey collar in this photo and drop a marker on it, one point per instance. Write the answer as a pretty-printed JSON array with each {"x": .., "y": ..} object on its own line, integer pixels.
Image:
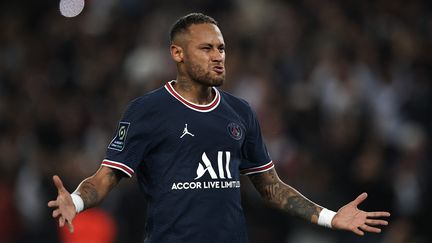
[{"x": 201, "y": 108}]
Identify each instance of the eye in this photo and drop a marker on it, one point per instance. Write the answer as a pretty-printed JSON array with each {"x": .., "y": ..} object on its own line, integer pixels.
[{"x": 222, "y": 49}]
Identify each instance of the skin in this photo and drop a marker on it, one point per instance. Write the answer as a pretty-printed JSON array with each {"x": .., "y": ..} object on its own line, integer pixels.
[
  {"x": 92, "y": 190},
  {"x": 200, "y": 57},
  {"x": 286, "y": 198},
  {"x": 199, "y": 54}
]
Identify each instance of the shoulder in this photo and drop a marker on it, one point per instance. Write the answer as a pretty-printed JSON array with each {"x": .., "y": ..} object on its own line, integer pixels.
[
  {"x": 150, "y": 97},
  {"x": 234, "y": 100},
  {"x": 239, "y": 104},
  {"x": 145, "y": 104}
]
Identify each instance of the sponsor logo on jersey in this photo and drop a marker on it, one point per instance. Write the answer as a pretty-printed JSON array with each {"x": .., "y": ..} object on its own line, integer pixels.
[
  {"x": 186, "y": 132},
  {"x": 201, "y": 170},
  {"x": 235, "y": 131},
  {"x": 205, "y": 170},
  {"x": 118, "y": 142}
]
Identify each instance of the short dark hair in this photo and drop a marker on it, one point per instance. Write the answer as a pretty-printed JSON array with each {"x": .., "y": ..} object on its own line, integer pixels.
[{"x": 183, "y": 23}]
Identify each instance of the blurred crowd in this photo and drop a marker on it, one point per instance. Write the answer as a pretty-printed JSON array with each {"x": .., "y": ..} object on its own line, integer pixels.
[{"x": 343, "y": 91}]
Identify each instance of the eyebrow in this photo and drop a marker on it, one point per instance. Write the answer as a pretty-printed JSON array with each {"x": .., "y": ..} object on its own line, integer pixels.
[{"x": 209, "y": 44}]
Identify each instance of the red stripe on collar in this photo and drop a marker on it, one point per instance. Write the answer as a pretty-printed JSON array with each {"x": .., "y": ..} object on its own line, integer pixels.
[{"x": 202, "y": 108}]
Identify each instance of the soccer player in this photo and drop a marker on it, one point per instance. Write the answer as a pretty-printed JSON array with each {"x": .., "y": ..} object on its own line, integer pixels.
[{"x": 188, "y": 142}]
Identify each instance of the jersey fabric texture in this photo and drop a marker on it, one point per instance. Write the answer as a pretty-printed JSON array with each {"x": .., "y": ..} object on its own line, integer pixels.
[{"x": 188, "y": 159}]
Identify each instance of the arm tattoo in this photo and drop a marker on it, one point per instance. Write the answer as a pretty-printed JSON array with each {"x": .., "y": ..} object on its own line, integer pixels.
[
  {"x": 89, "y": 194},
  {"x": 93, "y": 191},
  {"x": 283, "y": 196}
]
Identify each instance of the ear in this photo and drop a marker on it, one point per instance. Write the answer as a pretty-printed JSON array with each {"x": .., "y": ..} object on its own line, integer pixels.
[{"x": 176, "y": 53}]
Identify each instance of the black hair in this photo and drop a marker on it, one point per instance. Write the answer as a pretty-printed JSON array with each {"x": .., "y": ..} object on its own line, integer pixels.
[{"x": 183, "y": 23}]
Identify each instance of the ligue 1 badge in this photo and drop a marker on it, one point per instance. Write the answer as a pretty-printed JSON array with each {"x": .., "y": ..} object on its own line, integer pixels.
[
  {"x": 118, "y": 142},
  {"x": 235, "y": 131}
]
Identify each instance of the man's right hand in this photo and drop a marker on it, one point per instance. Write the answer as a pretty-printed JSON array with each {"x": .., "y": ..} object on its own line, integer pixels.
[{"x": 63, "y": 207}]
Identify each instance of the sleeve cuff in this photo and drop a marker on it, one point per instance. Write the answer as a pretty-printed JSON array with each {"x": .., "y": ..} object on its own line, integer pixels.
[
  {"x": 258, "y": 169},
  {"x": 119, "y": 166}
]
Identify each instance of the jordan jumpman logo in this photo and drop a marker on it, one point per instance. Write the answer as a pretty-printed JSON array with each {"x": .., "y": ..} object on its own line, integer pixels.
[{"x": 185, "y": 131}]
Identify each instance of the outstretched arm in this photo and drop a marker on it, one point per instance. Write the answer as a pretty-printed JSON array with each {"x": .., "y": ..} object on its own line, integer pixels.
[
  {"x": 92, "y": 191},
  {"x": 283, "y": 196}
]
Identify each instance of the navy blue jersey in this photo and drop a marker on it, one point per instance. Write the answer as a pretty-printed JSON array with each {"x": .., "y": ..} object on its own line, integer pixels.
[{"x": 188, "y": 160}]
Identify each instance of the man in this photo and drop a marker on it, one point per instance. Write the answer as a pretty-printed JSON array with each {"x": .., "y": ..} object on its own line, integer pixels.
[{"x": 189, "y": 142}]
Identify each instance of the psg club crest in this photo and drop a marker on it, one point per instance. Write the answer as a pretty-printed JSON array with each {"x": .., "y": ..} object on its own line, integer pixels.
[{"x": 235, "y": 131}]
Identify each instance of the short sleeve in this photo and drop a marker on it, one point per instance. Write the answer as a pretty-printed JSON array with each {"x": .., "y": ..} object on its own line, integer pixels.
[
  {"x": 255, "y": 155},
  {"x": 130, "y": 141}
]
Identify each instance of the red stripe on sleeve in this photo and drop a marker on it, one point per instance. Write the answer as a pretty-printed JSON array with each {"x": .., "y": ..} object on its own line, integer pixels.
[
  {"x": 119, "y": 166},
  {"x": 258, "y": 169}
]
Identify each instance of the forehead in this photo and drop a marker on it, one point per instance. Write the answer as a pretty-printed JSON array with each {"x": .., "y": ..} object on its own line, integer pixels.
[{"x": 204, "y": 33}]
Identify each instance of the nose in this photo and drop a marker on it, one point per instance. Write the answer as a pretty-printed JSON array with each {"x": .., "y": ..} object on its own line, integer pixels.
[{"x": 217, "y": 55}]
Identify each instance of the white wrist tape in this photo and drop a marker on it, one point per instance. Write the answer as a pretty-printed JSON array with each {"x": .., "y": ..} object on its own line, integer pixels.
[
  {"x": 325, "y": 218},
  {"x": 78, "y": 202}
]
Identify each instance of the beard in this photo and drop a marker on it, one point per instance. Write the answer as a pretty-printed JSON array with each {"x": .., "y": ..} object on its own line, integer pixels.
[{"x": 201, "y": 76}]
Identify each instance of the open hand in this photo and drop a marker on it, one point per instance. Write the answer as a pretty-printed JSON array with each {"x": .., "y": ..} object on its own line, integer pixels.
[
  {"x": 350, "y": 218},
  {"x": 64, "y": 209}
]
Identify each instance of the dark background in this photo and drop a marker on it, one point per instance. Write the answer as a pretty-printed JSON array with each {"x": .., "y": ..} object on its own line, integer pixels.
[{"x": 342, "y": 89}]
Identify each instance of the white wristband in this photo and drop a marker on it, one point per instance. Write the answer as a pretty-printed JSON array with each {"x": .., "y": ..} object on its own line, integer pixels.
[
  {"x": 325, "y": 218},
  {"x": 78, "y": 202}
]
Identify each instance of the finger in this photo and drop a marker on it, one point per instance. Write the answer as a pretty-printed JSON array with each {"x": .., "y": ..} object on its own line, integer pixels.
[
  {"x": 377, "y": 214},
  {"x": 58, "y": 183},
  {"x": 56, "y": 213},
  {"x": 371, "y": 229},
  {"x": 70, "y": 226},
  {"x": 53, "y": 204},
  {"x": 360, "y": 199},
  {"x": 373, "y": 222},
  {"x": 357, "y": 231},
  {"x": 61, "y": 221}
]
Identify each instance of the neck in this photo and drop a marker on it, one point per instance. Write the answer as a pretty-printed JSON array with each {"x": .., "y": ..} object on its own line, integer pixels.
[{"x": 193, "y": 91}]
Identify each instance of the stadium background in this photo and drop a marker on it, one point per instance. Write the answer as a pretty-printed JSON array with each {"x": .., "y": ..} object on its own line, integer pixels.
[{"x": 343, "y": 91}]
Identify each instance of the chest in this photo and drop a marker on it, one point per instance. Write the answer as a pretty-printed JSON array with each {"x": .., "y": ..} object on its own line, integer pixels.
[
  {"x": 196, "y": 146},
  {"x": 220, "y": 130}
]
